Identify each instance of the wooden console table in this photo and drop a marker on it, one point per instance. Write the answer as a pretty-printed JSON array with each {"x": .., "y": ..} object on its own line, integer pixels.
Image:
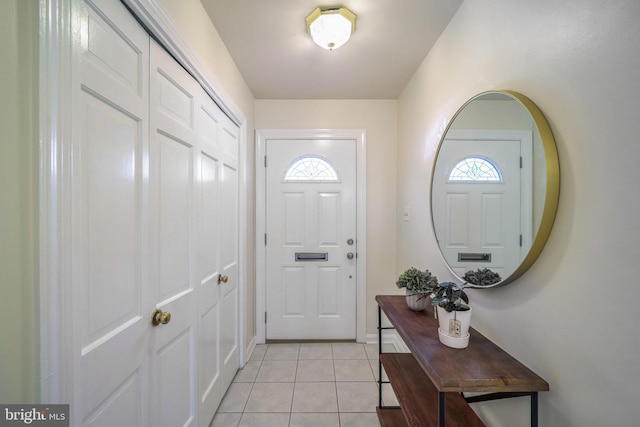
[{"x": 430, "y": 381}]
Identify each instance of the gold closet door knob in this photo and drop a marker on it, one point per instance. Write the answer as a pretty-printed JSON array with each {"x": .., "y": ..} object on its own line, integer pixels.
[
  {"x": 222, "y": 279},
  {"x": 159, "y": 316}
]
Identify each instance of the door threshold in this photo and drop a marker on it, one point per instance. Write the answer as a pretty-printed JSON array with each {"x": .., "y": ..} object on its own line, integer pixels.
[{"x": 307, "y": 341}]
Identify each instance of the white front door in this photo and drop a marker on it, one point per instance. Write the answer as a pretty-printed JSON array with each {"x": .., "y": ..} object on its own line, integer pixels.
[
  {"x": 480, "y": 223},
  {"x": 311, "y": 239}
]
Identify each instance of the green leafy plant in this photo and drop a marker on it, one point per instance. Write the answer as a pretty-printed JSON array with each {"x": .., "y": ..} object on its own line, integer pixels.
[
  {"x": 417, "y": 281},
  {"x": 481, "y": 277},
  {"x": 450, "y": 296}
]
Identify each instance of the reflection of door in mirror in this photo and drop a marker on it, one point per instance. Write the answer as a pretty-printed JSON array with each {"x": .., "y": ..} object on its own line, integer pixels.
[
  {"x": 496, "y": 116},
  {"x": 484, "y": 222}
]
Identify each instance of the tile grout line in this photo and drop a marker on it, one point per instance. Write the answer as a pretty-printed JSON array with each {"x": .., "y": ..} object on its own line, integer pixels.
[{"x": 311, "y": 357}]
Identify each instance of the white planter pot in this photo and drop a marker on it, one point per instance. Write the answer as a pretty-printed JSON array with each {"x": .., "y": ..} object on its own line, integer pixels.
[
  {"x": 450, "y": 328},
  {"x": 453, "y": 342},
  {"x": 417, "y": 302}
]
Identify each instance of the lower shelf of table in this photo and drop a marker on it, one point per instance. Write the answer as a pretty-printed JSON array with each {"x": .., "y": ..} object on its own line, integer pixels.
[
  {"x": 418, "y": 397},
  {"x": 391, "y": 417}
]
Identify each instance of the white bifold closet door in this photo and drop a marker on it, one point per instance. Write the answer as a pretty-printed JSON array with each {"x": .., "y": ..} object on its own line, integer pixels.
[{"x": 154, "y": 226}]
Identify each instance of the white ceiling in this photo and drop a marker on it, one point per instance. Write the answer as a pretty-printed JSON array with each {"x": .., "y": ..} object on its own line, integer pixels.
[{"x": 268, "y": 41}]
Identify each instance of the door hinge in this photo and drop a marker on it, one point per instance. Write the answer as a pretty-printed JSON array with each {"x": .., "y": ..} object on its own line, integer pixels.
[
  {"x": 265, "y": 239},
  {"x": 521, "y": 162},
  {"x": 521, "y": 240},
  {"x": 265, "y": 317},
  {"x": 265, "y": 161}
]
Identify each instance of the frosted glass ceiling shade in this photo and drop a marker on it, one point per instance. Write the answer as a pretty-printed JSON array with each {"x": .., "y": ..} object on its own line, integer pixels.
[{"x": 331, "y": 26}]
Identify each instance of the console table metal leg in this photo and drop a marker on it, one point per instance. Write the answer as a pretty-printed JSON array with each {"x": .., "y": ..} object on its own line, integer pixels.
[
  {"x": 379, "y": 352},
  {"x": 534, "y": 409},
  {"x": 440, "y": 409}
]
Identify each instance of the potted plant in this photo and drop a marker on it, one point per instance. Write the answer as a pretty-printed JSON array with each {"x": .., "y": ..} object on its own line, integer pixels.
[
  {"x": 482, "y": 277},
  {"x": 454, "y": 315},
  {"x": 419, "y": 285}
]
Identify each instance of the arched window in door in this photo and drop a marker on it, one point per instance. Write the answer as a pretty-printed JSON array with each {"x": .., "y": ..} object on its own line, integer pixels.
[
  {"x": 311, "y": 168},
  {"x": 474, "y": 168}
]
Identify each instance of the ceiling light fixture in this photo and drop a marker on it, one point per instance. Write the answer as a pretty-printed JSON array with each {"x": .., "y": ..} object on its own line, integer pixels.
[{"x": 331, "y": 26}]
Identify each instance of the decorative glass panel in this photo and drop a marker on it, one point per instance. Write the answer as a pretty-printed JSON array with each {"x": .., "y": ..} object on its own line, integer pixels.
[
  {"x": 475, "y": 169},
  {"x": 311, "y": 168}
]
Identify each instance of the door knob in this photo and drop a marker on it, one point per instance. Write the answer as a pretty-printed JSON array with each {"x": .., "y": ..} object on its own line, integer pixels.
[
  {"x": 350, "y": 255},
  {"x": 222, "y": 279},
  {"x": 159, "y": 316}
]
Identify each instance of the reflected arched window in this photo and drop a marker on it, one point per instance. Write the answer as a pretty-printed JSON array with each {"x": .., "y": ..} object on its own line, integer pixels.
[
  {"x": 311, "y": 168},
  {"x": 475, "y": 169}
]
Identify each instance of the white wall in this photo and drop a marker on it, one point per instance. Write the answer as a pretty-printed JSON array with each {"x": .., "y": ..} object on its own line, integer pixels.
[
  {"x": 193, "y": 21},
  {"x": 378, "y": 118},
  {"x": 18, "y": 201},
  {"x": 572, "y": 316}
]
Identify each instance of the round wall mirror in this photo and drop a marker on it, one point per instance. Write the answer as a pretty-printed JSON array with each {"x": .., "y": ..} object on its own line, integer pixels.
[{"x": 495, "y": 185}]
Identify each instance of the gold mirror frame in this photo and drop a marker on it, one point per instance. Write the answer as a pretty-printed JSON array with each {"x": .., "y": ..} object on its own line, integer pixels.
[{"x": 552, "y": 189}]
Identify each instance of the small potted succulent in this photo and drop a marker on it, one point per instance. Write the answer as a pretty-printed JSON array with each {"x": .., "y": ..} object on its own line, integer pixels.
[
  {"x": 419, "y": 285},
  {"x": 454, "y": 315},
  {"x": 482, "y": 277}
]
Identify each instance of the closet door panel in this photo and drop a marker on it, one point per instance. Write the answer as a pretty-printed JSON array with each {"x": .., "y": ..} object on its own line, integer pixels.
[
  {"x": 173, "y": 155},
  {"x": 110, "y": 299},
  {"x": 154, "y": 228},
  {"x": 229, "y": 181},
  {"x": 217, "y": 261},
  {"x": 212, "y": 322}
]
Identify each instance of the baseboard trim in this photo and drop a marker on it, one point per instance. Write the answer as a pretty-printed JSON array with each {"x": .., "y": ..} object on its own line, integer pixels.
[
  {"x": 248, "y": 351},
  {"x": 389, "y": 337}
]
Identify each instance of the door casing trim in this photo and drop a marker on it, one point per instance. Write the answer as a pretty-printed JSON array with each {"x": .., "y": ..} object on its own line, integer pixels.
[{"x": 359, "y": 135}]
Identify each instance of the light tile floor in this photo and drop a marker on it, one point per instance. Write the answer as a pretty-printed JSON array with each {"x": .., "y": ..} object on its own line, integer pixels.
[{"x": 307, "y": 384}]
